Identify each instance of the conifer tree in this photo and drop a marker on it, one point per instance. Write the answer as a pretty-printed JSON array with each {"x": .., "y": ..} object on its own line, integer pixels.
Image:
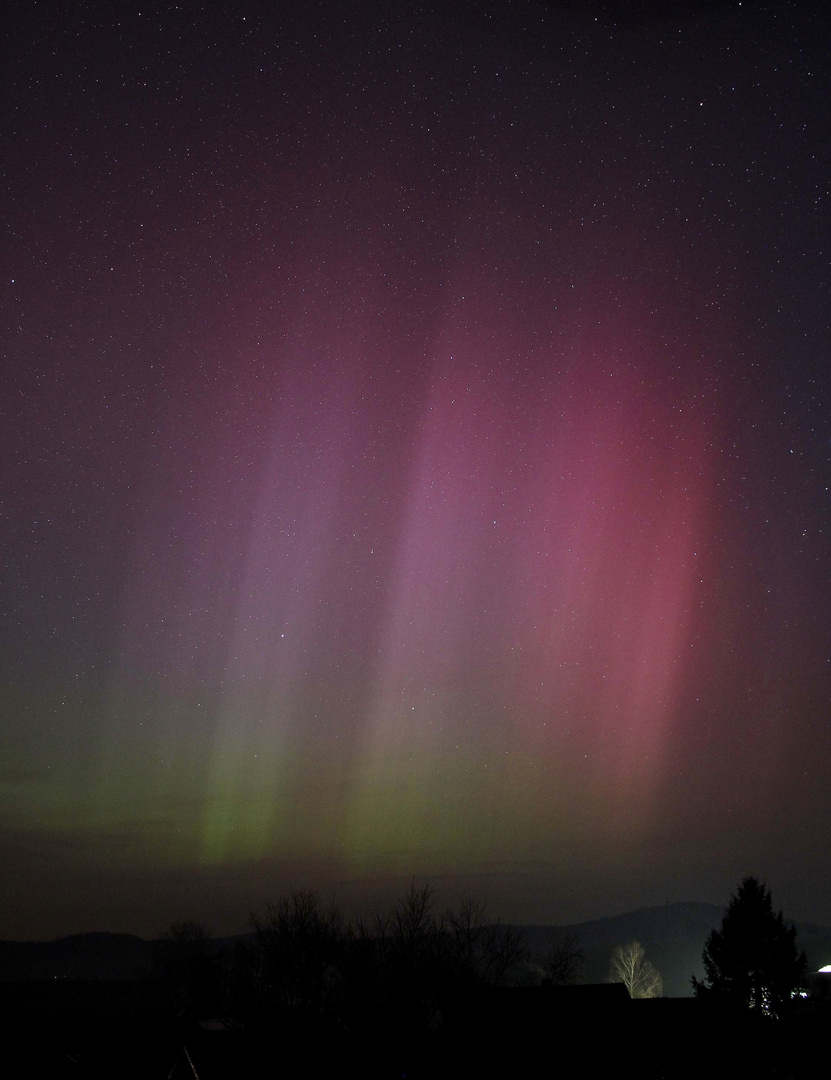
[{"x": 752, "y": 960}]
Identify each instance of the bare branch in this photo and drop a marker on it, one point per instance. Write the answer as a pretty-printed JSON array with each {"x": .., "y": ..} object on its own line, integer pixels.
[{"x": 630, "y": 967}]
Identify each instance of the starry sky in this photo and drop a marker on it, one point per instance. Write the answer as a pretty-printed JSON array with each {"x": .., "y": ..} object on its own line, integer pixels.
[{"x": 416, "y": 451}]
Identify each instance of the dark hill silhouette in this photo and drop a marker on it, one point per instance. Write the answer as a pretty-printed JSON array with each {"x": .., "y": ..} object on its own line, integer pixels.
[
  {"x": 92, "y": 956},
  {"x": 673, "y": 937},
  {"x": 81, "y": 956}
]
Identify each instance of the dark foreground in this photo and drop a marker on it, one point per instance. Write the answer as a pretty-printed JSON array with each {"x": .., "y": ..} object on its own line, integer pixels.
[{"x": 119, "y": 1029}]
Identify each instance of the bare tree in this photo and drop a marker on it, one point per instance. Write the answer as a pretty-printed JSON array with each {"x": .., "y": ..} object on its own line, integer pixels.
[
  {"x": 300, "y": 946},
  {"x": 480, "y": 952},
  {"x": 409, "y": 944},
  {"x": 563, "y": 961},
  {"x": 411, "y": 924},
  {"x": 630, "y": 967},
  {"x": 186, "y": 965}
]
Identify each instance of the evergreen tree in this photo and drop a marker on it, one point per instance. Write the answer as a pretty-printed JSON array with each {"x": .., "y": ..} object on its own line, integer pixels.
[{"x": 752, "y": 960}]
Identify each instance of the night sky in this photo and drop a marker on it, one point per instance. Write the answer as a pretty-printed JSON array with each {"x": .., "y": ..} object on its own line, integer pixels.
[{"x": 416, "y": 452}]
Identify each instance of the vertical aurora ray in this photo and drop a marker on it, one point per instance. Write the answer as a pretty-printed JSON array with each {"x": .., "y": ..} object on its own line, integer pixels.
[
  {"x": 540, "y": 611},
  {"x": 622, "y": 517},
  {"x": 258, "y": 768},
  {"x": 423, "y": 635},
  {"x": 415, "y": 455}
]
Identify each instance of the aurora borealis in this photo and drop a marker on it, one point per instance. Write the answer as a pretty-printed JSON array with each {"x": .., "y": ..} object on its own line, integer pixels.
[{"x": 416, "y": 457}]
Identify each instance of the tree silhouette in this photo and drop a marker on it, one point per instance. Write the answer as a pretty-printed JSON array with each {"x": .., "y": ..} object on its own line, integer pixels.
[
  {"x": 309, "y": 968},
  {"x": 479, "y": 952},
  {"x": 299, "y": 949},
  {"x": 563, "y": 960},
  {"x": 630, "y": 967},
  {"x": 410, "y": 950},
  {"x": 187, "y": 967},
  {"x": 752, "y": 960}
]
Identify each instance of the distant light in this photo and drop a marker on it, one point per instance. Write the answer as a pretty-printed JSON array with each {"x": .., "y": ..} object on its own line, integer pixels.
[{"x": 824, "y": 969}]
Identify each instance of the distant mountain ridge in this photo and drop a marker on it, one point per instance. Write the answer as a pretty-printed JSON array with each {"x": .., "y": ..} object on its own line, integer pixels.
[
  {"x": 673, "y": 938},
  {"x": 672, "y": 935},
  {"x": 96, "y": 955}
]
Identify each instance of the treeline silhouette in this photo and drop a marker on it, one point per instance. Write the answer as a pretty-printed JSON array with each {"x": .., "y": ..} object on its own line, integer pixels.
[
  {"x": 414, "y": 991},
  {"x": 308, "y": 968}
]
